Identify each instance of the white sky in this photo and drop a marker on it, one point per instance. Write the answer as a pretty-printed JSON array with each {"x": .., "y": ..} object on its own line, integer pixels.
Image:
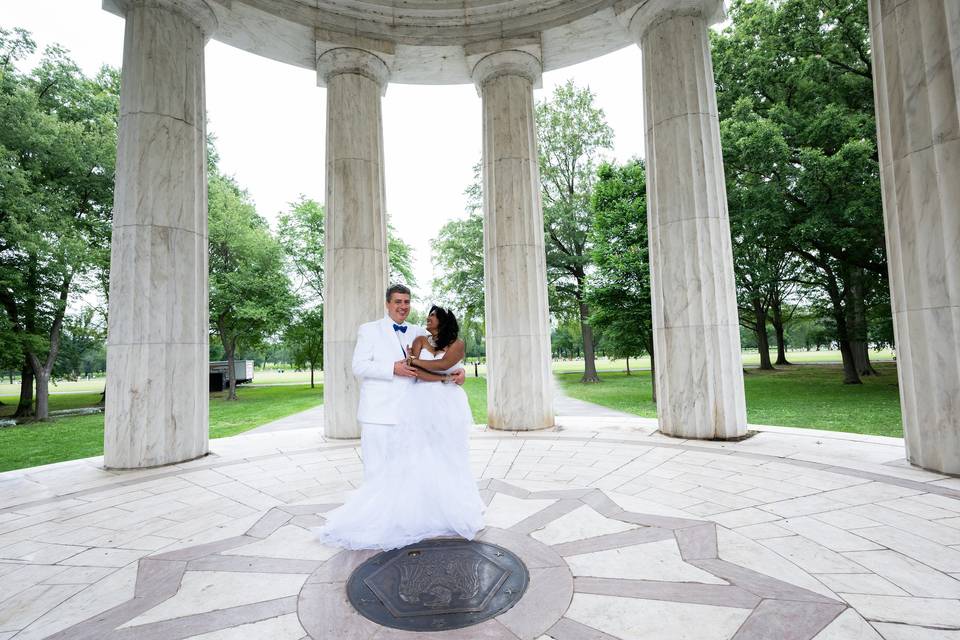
[{"x": 269, "y": 120}]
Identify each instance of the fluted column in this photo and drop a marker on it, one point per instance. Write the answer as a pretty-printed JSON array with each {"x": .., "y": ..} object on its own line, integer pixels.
[
  {"x": 519, "y": 385},
  {"x": 355, "y": 278},
  {"x": 916, "y": 64},
  {"x": 157, "y": 353},
  {"x": 696, "y": 332}
]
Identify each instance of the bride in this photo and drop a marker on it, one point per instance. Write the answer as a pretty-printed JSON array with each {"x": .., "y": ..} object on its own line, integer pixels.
[{"x": 424, "y": 488}]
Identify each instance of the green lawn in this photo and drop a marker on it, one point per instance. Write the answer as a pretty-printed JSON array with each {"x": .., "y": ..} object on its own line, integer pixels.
[
  {"x": 74, "y": 437},
  {"x": 58, "y": 402},
  {"x": 800, "y": 396},
  {"x": 476, "y": 389},
  {"x": 289, "y": 376}
]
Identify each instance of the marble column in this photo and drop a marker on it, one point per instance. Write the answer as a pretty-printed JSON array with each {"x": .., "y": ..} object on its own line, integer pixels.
[
  {"x": 519, "y": 383},
  {"x": 356, "y": 225},
  {"x": 916, "y": 67},
  {"x": 696, "y": 332},
  {"x": 157, "y": 354}
]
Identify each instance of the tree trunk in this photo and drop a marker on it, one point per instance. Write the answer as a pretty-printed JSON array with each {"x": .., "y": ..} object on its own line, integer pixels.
[
  {"x": 589, "y": 358},
  {"x": 311, "y": 375},
  {"x": 850, "y": 375},
  {"x": 861, "y": 358},
  {"x": 231, "y": 348},
  {"x": 857, "y": 308},
  {"x": 628, "y": 365},
  {"x": 760, "y": 328},
  {"x": 25, "y": 406},
  {"x": 776, "y": 306},
  {"x": 43, "y": 370},
  {"x": 43, "y": 395}
]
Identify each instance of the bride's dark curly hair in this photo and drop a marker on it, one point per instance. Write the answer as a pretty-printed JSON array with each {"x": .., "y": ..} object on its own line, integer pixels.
[{"x": 447, "y": 327}]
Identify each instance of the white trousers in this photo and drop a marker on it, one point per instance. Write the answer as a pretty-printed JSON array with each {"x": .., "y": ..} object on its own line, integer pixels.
[{"x": 374, "y": 447}]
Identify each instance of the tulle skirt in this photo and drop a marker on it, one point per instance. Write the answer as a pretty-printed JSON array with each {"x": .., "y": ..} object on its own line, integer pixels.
[{"x": 425, "y": 488}]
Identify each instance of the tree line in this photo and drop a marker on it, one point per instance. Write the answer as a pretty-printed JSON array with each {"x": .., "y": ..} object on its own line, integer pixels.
[
  {"x": 795, "y": 101},
  {"x": 57, "y": 166},
  {"x": 794, "y": 93}
]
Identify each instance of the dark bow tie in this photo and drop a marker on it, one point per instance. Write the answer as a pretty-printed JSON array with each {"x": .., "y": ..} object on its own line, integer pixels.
[{"x": 400, "y": 328}]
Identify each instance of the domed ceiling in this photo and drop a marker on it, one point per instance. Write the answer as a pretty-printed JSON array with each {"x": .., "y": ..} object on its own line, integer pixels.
[{"x": 432, "y": 41}]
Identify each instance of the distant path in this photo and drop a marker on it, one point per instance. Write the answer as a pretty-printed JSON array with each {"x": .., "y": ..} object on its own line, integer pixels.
[
  {"x": 309, "y": 419},
  {"x": 563, "y": 405}
]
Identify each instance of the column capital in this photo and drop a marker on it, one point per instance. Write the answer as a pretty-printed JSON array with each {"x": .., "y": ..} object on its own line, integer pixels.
[
  {"x": 510, "y": 62},
  {"x": 638, "y": 20},
  {"x": 340, "y": 60},
  {"x": 199, "y": 12}
]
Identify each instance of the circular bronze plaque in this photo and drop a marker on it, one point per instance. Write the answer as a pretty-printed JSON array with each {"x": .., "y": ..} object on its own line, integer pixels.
[{"x": 437, "y": 584}]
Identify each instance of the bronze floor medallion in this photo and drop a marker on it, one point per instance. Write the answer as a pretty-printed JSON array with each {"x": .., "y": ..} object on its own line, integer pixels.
[{"x": 437, "y": 584}]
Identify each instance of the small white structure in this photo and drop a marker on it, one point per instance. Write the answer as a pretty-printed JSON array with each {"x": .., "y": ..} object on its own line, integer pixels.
[{"x": 358, "y": 47}]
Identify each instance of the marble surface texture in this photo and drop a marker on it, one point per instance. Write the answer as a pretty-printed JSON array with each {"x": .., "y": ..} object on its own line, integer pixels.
[
  {"x": 696, "y": 332},
  {"x": 429, "y": 38},
  {"x": 916, "y": 56},
  {"x": 519, "y": 382},
  {"x": 156, "y": 392},
  {"x": 794, "y": 534},
  {"x": 356, "y": 234}
]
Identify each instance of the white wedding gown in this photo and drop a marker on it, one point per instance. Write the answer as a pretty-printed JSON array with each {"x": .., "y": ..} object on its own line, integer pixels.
[{"x": 424, "y": 488}]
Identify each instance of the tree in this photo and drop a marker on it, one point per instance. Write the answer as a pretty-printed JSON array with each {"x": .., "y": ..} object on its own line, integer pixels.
[
  {"x": 301, "y": 232},
  {"x": 250, "y": 292},
  {"x": 797, "y": 73},
  {"x": 457, "y": 256},
  {"x": 619, "y": 288},
  {"x": 571, "y": 133},
  {"x": 58, "y": 148},
  {"x": 304, "y": 339},
  {"x": 83, "y": 345},
  {"x": 400, "y": 255}
]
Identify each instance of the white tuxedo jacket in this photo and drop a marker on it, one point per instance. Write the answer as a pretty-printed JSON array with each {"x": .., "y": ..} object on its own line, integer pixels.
[{"x": 378, "y": 347}]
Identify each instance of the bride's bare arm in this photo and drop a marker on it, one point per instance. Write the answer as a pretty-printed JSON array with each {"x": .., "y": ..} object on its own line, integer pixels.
[
  {"x": 426, "y": 376},
  {"x": 416, "y": 346},
  {"x": 453, "y": 355}
]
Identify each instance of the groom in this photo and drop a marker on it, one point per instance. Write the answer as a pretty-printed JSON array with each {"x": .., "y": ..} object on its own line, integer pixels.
[{"x": 380, "y": 362}]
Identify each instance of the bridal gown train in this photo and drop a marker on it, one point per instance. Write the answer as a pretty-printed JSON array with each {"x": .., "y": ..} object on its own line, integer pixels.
[{"x": 424, "y": 488}]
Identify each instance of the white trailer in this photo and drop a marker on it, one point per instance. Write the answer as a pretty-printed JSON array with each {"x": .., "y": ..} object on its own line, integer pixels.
[{"x": 243, "y": 371}]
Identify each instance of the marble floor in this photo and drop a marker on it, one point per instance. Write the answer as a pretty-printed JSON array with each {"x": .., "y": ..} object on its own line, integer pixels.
[{"x": 789, "y": 535}]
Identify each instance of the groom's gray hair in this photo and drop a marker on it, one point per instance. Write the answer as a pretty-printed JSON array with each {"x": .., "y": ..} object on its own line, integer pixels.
[{"x": 397, "y": 288}]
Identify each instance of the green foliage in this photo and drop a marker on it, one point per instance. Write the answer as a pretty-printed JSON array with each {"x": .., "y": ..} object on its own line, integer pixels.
[
  {"x": 795, "y": 97},
  {"x": 250, "y": 292},
  {"x": 400, "y": 255},
  {"x": 57, "y": 154},
  {"x": 619, "y": 292},
  {"x": 82, "y": 346},
  {"x": 304, "y": 340},
  {"x": 458, "y": 257},
  {"x": 301, "y": 233},
  {"x": 571, "y": 136}
]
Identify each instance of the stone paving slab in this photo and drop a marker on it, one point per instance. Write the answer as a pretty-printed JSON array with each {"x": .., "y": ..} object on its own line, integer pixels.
[{"x": 791, "y": 534}]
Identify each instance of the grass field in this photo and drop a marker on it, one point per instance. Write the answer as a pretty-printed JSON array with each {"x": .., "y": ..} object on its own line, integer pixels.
[
  {"x": 289, "y": 376},
  {"x": 74, "y": 437},
  {"x": 802, "y": 396}
]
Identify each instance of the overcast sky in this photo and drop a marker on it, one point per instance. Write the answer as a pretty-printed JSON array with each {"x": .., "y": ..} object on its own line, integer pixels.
[{"x": 269, "y": 117}]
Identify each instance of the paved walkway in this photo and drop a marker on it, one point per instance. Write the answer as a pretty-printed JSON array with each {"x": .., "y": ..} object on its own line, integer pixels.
[
  {"x": 563, "y": 405},
  {"x": 789, "y": 535}
]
